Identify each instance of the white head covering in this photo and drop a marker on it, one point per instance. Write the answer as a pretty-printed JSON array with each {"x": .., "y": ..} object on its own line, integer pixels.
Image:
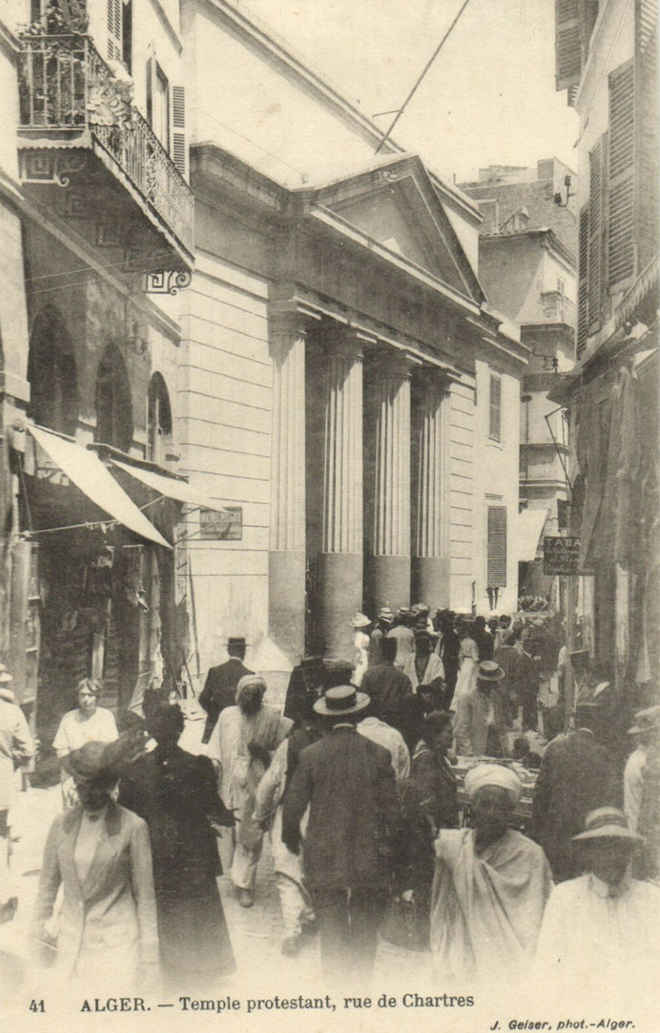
[
  {"x": 250, "y": 681},
  {"x": 493, "y": 775}
]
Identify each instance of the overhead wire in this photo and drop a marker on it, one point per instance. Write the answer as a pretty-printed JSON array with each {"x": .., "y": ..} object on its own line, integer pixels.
[{"x": 420, "y": 77}]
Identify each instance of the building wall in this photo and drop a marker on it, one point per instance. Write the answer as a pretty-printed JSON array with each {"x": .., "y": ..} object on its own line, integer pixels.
[
  {"x": 496, "y": 481},
  {"x": 516, "y": 270},
  {"x": 223, "y": 432}
]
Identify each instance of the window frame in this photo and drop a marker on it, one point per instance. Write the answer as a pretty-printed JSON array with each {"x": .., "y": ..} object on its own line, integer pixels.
[{"x": 494, "y": 434}]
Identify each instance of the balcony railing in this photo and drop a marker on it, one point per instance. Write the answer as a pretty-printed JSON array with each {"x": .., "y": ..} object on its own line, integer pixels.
[{"x": 67, "y": 89}]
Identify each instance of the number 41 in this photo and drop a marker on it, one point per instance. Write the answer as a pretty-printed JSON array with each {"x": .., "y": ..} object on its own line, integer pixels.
[{"x": 37, "y": 1006}]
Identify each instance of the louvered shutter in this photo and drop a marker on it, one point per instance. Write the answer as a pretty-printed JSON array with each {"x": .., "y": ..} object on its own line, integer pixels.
[
  {"x": 178, "y": 128},
  {"x": 568, "y": 54},
  {"x": 646, "y": 126},
  {"x": 496, "y": 577},
  {"x": 495, "y": 409},
  {"x": 149, "y": 79},
  {"x": 114, "y": 29},
  {"x": 583, "y": 281},
  {"x": 595, "y": 233},
  {"x": 621, "y": 244}
]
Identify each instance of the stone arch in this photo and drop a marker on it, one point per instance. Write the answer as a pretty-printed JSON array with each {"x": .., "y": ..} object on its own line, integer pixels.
[
  {"x": 52, "y": 373},
  {"x": 159, "y": 419},
  {"x": 114, "y": 409}
]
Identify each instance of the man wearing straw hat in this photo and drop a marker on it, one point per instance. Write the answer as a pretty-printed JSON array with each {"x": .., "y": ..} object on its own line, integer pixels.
[
  {"x": 348, "y": 783},
  {"x": 646, "y": 730},
  {"x": 604, "y": 922}
]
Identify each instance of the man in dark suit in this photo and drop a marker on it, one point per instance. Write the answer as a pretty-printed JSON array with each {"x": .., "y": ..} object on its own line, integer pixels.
[
  {"x": 304, "y": 687},
  {"x": 220, "y": 686},
  {"x": 576, "y": 776},
  {"x": 447, "y": 648},
  {"x": 387, "y": 685},
  {"x": 348, "y": 782}
]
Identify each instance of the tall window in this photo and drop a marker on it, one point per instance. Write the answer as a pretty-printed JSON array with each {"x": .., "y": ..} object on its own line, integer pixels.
[
  {"x": 159, "y": 419},
  {"x": 158, "y": 102},
  {"x": 52, "y": 373},
  {"x": 114, "y": 416},
  {"x": 495, "y": 408},
  {"x": 496, "y": 574},
  {"x": 120, "y": 31}
]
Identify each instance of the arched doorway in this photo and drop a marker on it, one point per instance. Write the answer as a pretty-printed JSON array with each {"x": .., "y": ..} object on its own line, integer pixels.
[
  {"x": 159, "y": 420},
  {"x": 52, "y": 373},
  {"x": 114, "y": 411}
]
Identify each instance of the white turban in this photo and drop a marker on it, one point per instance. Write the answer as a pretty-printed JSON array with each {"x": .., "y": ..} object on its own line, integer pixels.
[
  {"x": 250, "y": 681},
  {"x": 493, "y": 775}
]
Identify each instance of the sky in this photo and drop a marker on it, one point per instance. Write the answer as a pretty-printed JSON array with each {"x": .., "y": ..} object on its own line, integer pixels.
[{"x": 489, "y": 97}]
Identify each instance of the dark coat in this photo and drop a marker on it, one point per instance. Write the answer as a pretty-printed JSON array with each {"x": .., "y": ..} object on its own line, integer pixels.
[
  {"x": 438, "y": 791},
  {"x": 387, "y": 686},
  {"x": 177, "y": 797},
  {"x": 354, "y": 811},
  {"x": 220, "y": 691},
  {"x": 575, "y": 777}
]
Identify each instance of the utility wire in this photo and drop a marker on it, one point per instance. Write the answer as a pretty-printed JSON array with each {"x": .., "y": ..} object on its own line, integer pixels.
[{"x": 421, "y": 76}]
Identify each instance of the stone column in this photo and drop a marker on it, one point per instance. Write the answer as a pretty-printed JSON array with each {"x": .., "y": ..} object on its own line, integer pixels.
[
  {"x": 341, "y": 560},
  {"x": 286, "y": 560},
  {"x": 430, "y": 562},
  {"x": 388, "y": 562}
]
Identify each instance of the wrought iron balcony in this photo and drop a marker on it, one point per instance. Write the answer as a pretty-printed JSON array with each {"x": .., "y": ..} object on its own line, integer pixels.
[{"x": 70, "y": 98}]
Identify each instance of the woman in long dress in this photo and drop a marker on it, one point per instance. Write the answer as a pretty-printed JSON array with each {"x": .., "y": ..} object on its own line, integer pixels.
[
  {"x": 87, "y": 722},
  {"x": 100, "y": 854},
  {"x": 175, "y": 793}
]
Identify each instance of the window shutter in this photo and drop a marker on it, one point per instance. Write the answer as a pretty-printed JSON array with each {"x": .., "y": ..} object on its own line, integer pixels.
[
  {"x": 621, "y": 244},
  {"x": 149, "y": 78},
  {"x": 496, "y": 547},
  {"x": 583, "y": 281},
  {"x": 178, "y": 128},
  {"x": 646, "y": 127},
  {"x": 114, "y": 29},
  {"x": 568, "y": 54},
  {"x": 595, "y": 233},
  {"x": 495, "y": 408}
]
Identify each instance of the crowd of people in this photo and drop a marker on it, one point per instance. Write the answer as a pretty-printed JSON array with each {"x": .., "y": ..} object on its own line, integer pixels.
[{"x": 390, "y": 788}]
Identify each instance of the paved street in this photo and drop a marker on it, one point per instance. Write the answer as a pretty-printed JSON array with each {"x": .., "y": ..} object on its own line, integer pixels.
[{"x": 256, "y": 933}]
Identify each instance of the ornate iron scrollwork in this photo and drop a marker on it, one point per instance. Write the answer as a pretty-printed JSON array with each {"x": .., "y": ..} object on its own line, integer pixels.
[
  {"x": 51, "y": 166},
  {"x": 166, "y": 281}
]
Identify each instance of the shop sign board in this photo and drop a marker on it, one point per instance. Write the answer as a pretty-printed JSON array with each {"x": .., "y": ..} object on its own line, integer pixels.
[{"x": 561, "y": 555}]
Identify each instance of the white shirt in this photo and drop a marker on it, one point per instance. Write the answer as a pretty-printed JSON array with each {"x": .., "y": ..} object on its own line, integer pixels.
[
  {"x": 589, "y": 929},
  {"x": 75, "y": 730},
  {"x": 633, "y": 784},
  {"x": 86, "y": 842},
  {"x": 378, "y": 731}
]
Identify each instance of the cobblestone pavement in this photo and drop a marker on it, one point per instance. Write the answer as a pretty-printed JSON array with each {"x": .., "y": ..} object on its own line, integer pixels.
[{"x": 256, "y": 932}]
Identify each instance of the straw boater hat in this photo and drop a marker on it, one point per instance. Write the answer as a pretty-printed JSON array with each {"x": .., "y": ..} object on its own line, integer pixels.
[
  {"x": 386, "y": 614},
  {"x": 490, "y": 671},
  {"x": 360, "y": 620},
  {"x": 606, "y": 823},
  {"x": 646, "y": 720},
  {"x": 343, "y": 699}
]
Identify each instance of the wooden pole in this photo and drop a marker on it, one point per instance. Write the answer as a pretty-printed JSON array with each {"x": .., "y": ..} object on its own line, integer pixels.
[{"x": 569, "y": 683}]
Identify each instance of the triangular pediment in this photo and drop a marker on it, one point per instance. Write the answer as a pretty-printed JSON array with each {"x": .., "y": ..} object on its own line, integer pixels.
[{"x": 398, "y": 207}]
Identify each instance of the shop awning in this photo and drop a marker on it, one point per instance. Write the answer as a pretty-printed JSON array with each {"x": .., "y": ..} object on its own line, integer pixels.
[
  {"x": 170, "y": 487},
  {"x": 528, "y": 531},
  {"x": 87, "y": 472}
]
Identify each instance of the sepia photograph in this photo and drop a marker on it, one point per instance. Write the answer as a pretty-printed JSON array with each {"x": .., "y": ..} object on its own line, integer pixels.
[{"x": 329, "y": 516}]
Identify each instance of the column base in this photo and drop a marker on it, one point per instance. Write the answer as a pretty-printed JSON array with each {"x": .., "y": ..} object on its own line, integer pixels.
[
  {"x": 340, "y": 580},
  {"x": 430, "y": 581},
  {"x": 286, "y": 607},
  {"x": 388, "y": 582}
]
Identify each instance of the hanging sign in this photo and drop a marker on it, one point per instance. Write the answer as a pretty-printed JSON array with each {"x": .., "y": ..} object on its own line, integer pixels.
[{"x": 561, "y": 555}]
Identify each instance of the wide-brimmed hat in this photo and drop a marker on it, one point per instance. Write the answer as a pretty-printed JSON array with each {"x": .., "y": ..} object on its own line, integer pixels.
[
  {"x": 386, "y": 614},
  {"x": 420, "y": 608},
  {"x": 5, "y": 676},
  {"x": 646, "y": 720},
  {"x": 606, "y": 823},
  {"x": 97, "y": 760},
  {"x": 488, "y": 670},
  {"x": 342, "y": 699},
  {"x": 360, "y": 620},
  {"x": 404, "y": 613}
]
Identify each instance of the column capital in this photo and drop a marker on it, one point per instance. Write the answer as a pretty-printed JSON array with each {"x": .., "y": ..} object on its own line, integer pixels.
[
  {"x": 344, "y": 341},
  {"x": 431, "y": 381},
  {"x": 398, "y": 365}
]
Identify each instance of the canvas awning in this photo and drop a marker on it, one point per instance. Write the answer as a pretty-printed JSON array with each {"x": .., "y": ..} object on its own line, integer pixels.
[
  {"x": 528, "y": 531},
  {"x": 84, "y": 469},
  {"x": 170, "y": 487}
]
